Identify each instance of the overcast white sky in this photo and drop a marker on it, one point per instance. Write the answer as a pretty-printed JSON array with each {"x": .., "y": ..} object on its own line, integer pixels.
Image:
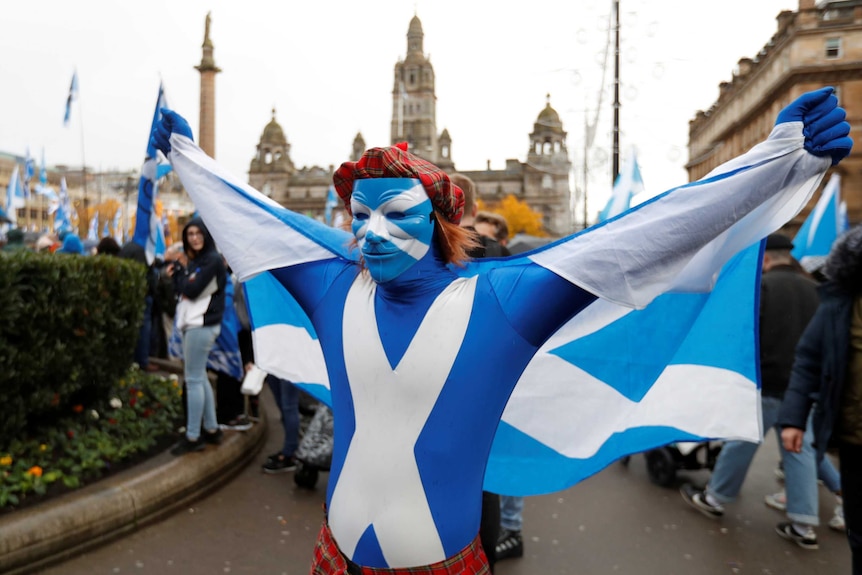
[{"x": 327, "y": 68}]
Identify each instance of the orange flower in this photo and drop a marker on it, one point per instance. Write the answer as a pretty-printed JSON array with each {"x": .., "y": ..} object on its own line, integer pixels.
[
  {"x": 6, "y": 460},
  {"x": 35, "y": 471},
  {"x": 78, "y": 408}
]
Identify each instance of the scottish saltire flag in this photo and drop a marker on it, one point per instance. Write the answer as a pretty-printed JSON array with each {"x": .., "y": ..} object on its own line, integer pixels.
[
  {"x": 628, "y": 184},
  {"x": 671, "y": 381},
  {"x": 93, "y": 230},
  {"x": 63, "y": 210},
  {"x": 15, "y": 190},
  {"x": 73, "y": 95},
  {"x": 331, "y": 202},
  {"x": 29, "y": 172},
  {"x": 148, "y": 231},
  {"x": 117, "y": 226},
  {"x": 12, "y": 197},
  {"x": 821, "y": 228}
]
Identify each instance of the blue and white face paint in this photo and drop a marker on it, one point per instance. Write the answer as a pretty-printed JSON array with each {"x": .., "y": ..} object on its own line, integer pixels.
[{"x": 392, "y": 224}]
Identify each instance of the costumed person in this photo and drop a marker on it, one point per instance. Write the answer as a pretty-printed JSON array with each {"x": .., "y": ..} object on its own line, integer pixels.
[
  {"x": 201, "y": 289},
  {"x": 826, "y": 382},
  {"x": 415, "y": 414}
]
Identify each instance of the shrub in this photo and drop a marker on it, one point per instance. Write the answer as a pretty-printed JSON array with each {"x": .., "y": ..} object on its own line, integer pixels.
[{"x": 68, "y": 327}]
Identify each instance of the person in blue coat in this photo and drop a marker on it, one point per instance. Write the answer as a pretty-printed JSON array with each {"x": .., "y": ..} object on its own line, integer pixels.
[{"x": 827, "y": 376}]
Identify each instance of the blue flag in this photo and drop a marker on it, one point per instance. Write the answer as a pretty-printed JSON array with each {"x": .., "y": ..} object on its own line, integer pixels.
[
  {"x": 148, "y": 232},
  {"x": 331, "y": 202},
  {"x": 62, "y": 209},
  {"x": 28, "y": 173},
  {"x": 821, "y": 228},
  {"x": 73, "y": 95},
  {"x": 628, "y": 184},
  {"x": 667, "y": 353},
  {"x": 14, "y": 196}
]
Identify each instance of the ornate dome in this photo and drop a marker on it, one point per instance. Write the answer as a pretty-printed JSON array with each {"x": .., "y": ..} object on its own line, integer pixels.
[
  {"x": 415, "y": 26},
  {"x": 273, "y": 133},
  {"x": 548, "y": 119}
]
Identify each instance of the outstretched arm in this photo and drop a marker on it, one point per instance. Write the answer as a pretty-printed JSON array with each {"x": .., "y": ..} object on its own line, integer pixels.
[
  {"x": 680, "y": 240},
  {"x": 253, "y": 232}
]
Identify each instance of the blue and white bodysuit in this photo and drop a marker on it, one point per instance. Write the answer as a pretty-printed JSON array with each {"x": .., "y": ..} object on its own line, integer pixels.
[{"x": 421, "y": 361}]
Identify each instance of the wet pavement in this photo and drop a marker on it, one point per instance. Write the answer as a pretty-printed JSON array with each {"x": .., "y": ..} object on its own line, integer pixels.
[{"x": 614, "y": 522}]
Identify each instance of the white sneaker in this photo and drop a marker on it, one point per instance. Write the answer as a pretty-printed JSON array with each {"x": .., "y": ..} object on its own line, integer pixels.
[
  {"x": 837, "y": 521},
  {"x": 777, "y": 501}
]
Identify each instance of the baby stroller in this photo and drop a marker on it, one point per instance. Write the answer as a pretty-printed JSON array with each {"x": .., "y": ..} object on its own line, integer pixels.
[
  {"x": 663, "y": 462},
  {"x": 314, "y": 453}
]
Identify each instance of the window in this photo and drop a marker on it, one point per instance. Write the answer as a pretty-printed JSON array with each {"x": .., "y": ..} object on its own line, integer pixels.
[{"x": 833, "y": 48}]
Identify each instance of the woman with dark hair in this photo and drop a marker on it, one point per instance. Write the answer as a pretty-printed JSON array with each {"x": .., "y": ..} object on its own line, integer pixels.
[
  {"x": 827, "y": 375},
  {"x": 201, "y": 291}
]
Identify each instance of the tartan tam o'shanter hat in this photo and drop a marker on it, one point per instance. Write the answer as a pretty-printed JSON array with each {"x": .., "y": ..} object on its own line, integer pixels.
[{"x": 397, "y": 162}]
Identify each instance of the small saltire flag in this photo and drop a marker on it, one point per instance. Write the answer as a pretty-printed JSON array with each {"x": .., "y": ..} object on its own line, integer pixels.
[
  {"x": 118, "y": 227},
  {"x": 15, "y": 191},
  {"x": 148, "y": 231},
  {"x": 93, "y": 231},
  {"x": 700, "y": 282},
  {"x": 73, "y": 95},
  {"x": 62, "y": 213},
  {"x": 29, "y": 172},
  {"x": 106, "y": 228},
  {"x": 12, "y": 203},
  {"x": 821, "y": 228},
  {"x": 331, "y": 202},
  {"x": 628, "y": 184}
]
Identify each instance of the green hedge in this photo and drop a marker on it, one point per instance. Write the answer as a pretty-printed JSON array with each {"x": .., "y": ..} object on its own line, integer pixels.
[{"x": 68, "y": 327}]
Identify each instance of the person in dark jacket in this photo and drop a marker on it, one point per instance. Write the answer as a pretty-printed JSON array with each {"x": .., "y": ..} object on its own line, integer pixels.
[
  {"x": 201, "y": 289},
  {"x": 827, "y": 374},
  {"x": 788, "y": 300},
  {"x": 136, "y": 252}
]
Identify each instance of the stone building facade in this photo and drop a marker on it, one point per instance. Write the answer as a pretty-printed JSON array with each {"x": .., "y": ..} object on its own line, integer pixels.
[
  {"x": 542, "y": 181},
  {"x": 818, "y": 45}
]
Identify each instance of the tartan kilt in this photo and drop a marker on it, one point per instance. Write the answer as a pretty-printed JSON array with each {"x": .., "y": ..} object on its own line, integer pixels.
[{"x": 328, "y": 560}]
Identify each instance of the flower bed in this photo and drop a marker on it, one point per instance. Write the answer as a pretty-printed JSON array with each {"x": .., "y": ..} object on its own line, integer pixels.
[{"x": 137, "y": 419}]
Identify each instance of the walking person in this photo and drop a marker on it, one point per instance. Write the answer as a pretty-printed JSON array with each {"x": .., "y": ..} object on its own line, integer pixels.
[
  {"x": 201, "y": 288},
  {"x": 826, "y": 381},
  {"x": 788, "y": 299}
]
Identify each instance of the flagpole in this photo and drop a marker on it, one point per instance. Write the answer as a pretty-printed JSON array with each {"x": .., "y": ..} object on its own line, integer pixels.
[{"x": 83, "y": 155}]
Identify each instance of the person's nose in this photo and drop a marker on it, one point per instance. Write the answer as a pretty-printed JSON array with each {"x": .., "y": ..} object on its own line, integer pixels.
[{"x": 377, "y": 229}]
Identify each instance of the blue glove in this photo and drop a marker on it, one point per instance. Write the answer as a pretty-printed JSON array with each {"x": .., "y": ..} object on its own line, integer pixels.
[
  {"x": 170, "y": 122},
  {"x": 824, "y": 127}
]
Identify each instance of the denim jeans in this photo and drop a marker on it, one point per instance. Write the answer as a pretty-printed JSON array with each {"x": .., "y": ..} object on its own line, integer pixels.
[
  {"x": 197, "y": 343},
  {"x": 511, "y": 512},
  {"x": 287, "y": 398},
  {"x": 800, "y": 470}
]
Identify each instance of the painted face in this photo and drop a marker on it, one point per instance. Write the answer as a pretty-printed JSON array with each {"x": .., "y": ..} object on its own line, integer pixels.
[{"x": 392, "y": 224}]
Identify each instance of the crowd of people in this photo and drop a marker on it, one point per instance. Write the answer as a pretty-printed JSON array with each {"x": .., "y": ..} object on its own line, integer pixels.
[{"x": 403, "y": 336}]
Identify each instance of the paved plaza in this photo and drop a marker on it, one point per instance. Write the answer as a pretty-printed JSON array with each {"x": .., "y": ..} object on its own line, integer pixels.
[{"x": 615, "y": 522}]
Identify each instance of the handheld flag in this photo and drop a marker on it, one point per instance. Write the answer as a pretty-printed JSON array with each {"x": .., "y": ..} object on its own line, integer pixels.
[
  {"x": 73, "y": 95},
  {"x": 821, "y": 228},
  {"x": 118, "y": 227},
  {"x": 93, "y": 231},
  {"x": 12, "y": 196},
  {"x": 331, "y": 202},
  {"x": 28, "y": 173},
  {"x": 148, "y": 232},
  {"x": 627, "y": 185},
  {"x": 685, "y": 262},
  {"x": 63, "y": 210}
]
